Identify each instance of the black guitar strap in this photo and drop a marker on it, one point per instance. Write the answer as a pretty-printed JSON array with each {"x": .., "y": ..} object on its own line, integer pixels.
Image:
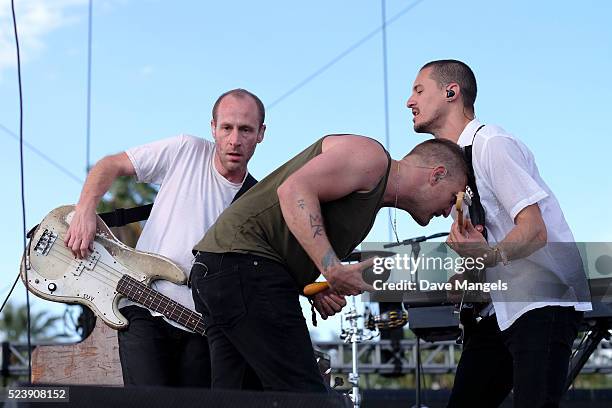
[
  {"x": 477, "y": 211},
  {"x": 124, "y": 216},
  {"x": 477, "y": 217},
  {"x": 249, "y": 182}
]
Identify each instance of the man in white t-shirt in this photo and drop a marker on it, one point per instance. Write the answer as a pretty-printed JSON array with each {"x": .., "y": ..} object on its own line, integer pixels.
[
  {"x": 523, "y": 339},
  {"x": 198, "y": 179}
]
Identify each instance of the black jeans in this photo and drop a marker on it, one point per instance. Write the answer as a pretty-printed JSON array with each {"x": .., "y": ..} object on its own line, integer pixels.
[
  {"x": 531, "y": 357},
  {"x": 153, "y": 352},
  {"x": 254, "y": 317}
]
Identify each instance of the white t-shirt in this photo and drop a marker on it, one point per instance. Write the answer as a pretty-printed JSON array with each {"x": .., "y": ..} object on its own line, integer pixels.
[
  {"x": 508, "y": 180},
  {"x": 191, "y": 197}
]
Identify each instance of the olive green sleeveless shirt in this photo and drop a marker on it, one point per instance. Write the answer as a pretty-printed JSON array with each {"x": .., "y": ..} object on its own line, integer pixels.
[{"x": 254, "y": 224}]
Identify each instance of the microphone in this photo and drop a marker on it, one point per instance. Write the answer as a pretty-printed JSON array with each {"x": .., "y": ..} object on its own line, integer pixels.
[{"x": 415, "y": 240}]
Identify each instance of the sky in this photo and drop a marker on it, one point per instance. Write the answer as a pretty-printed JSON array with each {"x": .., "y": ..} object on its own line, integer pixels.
[{"x": 543, "y": 71}]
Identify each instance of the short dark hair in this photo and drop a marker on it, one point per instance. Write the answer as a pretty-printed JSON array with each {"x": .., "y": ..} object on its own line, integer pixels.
[
  {"x": 436, "y": 152},
  {"x": 447, "y": 71},
  {"x": 241, "y": 93}
]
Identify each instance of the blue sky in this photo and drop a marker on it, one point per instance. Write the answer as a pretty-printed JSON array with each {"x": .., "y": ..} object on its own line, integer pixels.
[{"x": 543, "y": 71}]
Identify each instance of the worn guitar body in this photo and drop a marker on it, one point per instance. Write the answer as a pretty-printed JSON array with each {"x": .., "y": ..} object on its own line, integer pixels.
[{"x": 112, "y": 271}]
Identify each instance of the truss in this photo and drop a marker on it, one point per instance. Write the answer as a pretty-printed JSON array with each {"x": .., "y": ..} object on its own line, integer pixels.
[{"x": 389, "y": 357}]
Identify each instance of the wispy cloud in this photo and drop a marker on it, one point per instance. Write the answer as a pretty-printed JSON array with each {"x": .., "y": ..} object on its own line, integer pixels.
[
  {"x": 146, "y": 70},
  {"x": 35, "y": 20}
]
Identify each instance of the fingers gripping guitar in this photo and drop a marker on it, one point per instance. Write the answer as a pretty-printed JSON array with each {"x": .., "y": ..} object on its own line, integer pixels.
[
  {"x": 111, "y": 271},
  {"x": 81, "y": 232}
]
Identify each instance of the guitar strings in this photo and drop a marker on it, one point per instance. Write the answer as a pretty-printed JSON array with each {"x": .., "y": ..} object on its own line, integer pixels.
[
  {"x": 112, "y": 270},
  {"x": 117, "y": 273},
  {"x": 176, "y": 310},
  {"x": 100, "y": 276},
  {"x": 66, "y": 256}
]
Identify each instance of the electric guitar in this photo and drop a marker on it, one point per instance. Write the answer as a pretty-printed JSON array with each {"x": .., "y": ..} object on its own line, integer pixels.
[{"x": 113, "y": 270}]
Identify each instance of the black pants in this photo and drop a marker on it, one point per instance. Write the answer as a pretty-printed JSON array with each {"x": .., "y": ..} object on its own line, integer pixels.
[
  {"x": 254, "y": 317},
  {"x": 531, "y": 357},
  {"x": 153, "y": 352}
]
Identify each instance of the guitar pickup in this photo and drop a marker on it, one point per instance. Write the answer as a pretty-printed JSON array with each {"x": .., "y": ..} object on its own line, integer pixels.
[
  {"x": 46, "y": 241},
  {"x": 89, "y": 263}
]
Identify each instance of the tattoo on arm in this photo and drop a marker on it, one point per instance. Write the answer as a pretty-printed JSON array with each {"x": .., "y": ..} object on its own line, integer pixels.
[
  {"x": 329, "y": 259},
  {"x": 301, "y": 204},
  {"x": 316, "y": 224}
]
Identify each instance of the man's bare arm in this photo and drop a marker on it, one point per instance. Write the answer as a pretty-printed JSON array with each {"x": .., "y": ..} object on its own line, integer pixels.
[
  {"x": 83, "y": 225},
  {"x": 346, "y": 165},
  {"x": 527, "y": 236}
]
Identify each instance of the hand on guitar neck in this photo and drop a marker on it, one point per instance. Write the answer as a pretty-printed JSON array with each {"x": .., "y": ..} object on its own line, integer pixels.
[{"x": 463, "y": 222}]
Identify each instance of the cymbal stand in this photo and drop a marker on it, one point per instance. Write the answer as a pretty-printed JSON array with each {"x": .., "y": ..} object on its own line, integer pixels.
[{"x": 354, "y": 335}]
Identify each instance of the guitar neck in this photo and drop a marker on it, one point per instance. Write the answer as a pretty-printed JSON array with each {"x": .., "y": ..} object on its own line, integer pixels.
[{"x": 142, "y": 294}]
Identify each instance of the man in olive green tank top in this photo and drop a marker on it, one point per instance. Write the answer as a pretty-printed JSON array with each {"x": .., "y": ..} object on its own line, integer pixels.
[{"x": 293, "y": 225}]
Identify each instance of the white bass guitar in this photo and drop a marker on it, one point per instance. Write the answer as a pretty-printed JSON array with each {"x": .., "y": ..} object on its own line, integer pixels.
[{"x": 113, "y": 270}]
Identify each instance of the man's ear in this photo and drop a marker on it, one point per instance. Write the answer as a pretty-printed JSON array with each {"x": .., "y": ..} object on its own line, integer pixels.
[
  {"x": 438, "y": 173},
  {"x": 452, "y": 91},
  {"x": 212, "y": 127},
  {"x": 262, "y": 131}
]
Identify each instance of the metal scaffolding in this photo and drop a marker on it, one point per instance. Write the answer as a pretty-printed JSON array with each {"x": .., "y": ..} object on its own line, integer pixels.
[
  {"x": 376, "y": 357},
  {"x": 389, "y": 357}
]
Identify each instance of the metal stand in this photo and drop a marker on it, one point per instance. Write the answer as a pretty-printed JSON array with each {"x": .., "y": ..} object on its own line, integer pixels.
[
  {"x": 596, "y": 334},
  {"x": 354, "y": 335},
  {"x": 416, "y": 248},
  {"x": 418, "y": 375}
]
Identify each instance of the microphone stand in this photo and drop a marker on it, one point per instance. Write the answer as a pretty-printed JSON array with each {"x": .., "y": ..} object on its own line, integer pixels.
[{"x": 415, "y": 244}]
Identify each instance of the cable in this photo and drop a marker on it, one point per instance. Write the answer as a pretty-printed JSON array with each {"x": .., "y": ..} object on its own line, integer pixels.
[
  {"x": 340, "y": 56},
  {"x": 9, "y": 294},
  {"x": 584, "y": 337},
  {"x": 424, "y": 388},
  {"x": 385, "y": 80},
  {"x": 5, "y": 288},
  {"x": 88, "y": 89},
  {"x": 44, "y": 156},
  {"x": 23, "y": 214},
  {"x": 385, "y": 90}
]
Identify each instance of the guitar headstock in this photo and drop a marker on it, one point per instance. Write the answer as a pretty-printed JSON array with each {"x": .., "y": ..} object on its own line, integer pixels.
[{"x": 459, "y": 208}]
